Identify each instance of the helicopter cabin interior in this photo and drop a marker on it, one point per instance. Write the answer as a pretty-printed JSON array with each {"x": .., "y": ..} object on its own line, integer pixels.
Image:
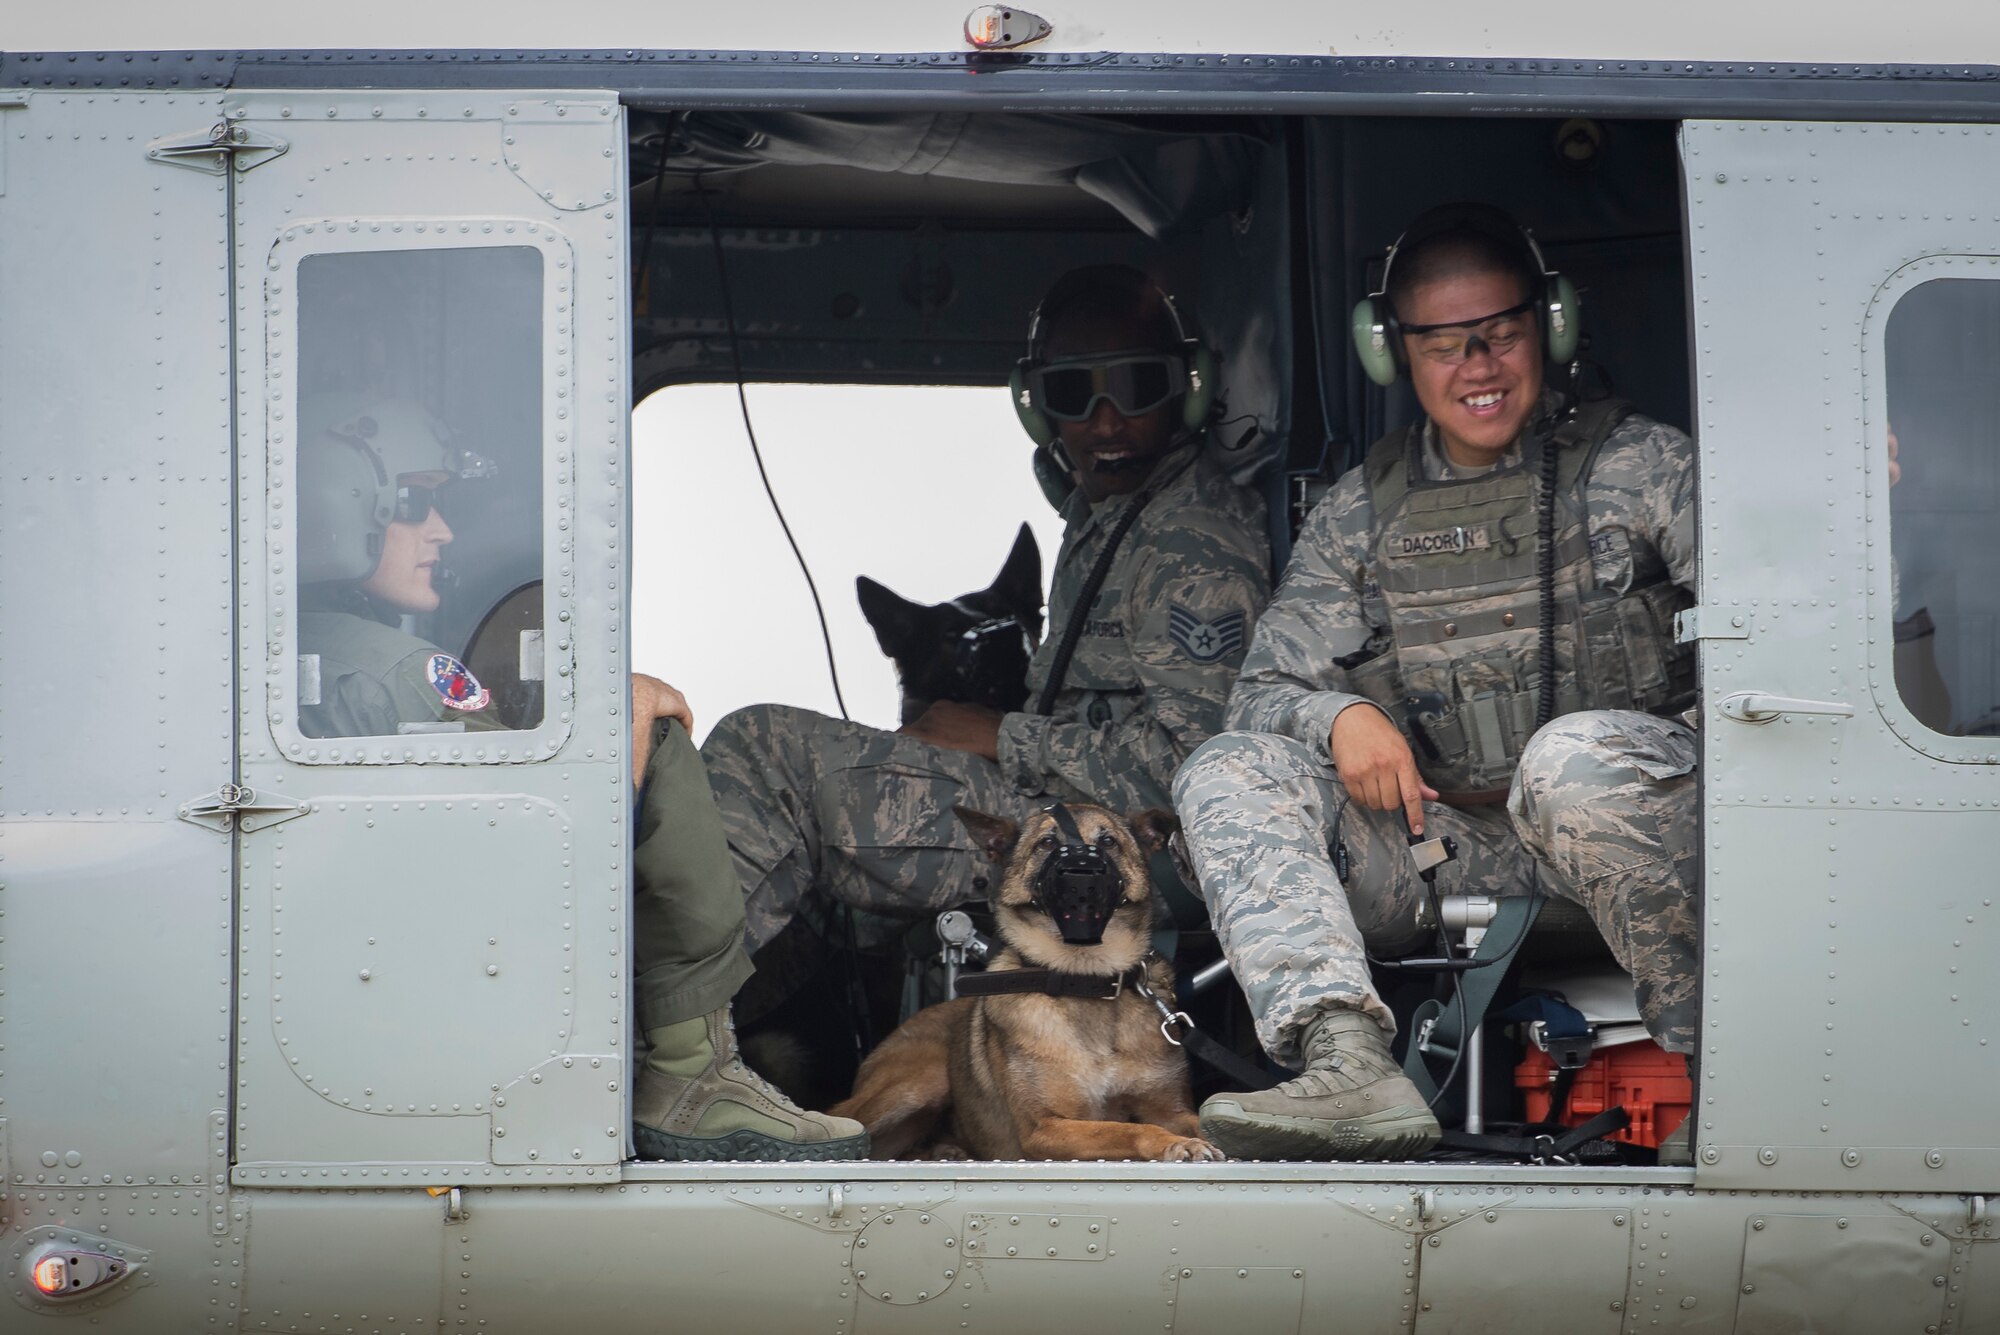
[{"x": 908, "y": 249}]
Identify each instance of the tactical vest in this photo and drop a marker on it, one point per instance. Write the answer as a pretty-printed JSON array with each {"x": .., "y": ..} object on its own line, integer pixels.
[{"x": 1457, "y": 562}]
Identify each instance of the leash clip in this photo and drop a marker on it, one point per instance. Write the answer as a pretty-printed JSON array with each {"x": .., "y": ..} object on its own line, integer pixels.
[{"x": 1169, "y": 1017}]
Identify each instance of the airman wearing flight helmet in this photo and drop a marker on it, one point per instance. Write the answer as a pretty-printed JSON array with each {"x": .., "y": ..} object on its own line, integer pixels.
[
  {"x": 1400, "y": 680},
  {"x": 371, "y": 542}
]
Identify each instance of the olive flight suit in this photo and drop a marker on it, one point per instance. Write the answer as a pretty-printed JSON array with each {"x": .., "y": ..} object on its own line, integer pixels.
[{"x": 359, "y": 677}]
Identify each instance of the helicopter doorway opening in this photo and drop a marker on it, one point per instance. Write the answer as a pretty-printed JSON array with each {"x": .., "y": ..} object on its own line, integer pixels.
[{"x": 920, "y": 487}]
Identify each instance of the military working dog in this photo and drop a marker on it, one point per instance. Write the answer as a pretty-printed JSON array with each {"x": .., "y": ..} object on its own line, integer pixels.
[
  {"x": 1056, "y": 1051},
  {"x": 973, "y": 649}
]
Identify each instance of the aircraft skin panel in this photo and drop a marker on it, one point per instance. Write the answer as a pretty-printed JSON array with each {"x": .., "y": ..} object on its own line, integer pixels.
[
  {"x": 115, "y": 698},
  {"x": 1790, "y": 30},
  {"x": 1148, "y": 1248},
  {"x": 1844, "y": 939}
]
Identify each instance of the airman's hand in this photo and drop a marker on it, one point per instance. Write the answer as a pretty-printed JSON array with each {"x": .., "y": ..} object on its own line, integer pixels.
[
  {"x": 1895, "y": 468},
  {"x": 653, "y": 700},
  {"x": 959, "y": 727},
  {"x": 1377, "y": 765}
]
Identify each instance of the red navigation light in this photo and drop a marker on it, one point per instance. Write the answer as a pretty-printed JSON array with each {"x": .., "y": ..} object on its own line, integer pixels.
[
  {"x": 997, "y": 27},
  {"x": 51, "y": 1276}
]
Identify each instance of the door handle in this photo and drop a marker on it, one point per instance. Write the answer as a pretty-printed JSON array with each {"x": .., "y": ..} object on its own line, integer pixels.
[{"x": 1759, "y": 707}]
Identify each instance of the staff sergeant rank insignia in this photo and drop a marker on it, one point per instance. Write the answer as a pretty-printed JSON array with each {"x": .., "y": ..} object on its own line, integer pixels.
[
  {"x": 456, "y": 686},
  {"x": 1205, "y": 641}
]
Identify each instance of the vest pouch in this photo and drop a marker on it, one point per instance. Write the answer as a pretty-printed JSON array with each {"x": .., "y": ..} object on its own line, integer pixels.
[
  {"x": 1606, "y": 662},
  {"x": 1658, "y": 672},
  {"x": 1378, "y": 681},
  {"x": 1477, "y": 724}
]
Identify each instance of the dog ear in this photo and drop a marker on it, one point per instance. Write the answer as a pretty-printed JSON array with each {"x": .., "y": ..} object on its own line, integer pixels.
[
  {"x": 1019, "y": 585},
  {"x": 1153, "y": 828},
  {"x": 996, "y": 834},
  {"x": 892, "y": 615}
]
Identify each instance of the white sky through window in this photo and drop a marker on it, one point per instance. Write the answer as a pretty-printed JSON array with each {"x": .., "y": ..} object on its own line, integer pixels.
[{"x": 920, "y": 488}]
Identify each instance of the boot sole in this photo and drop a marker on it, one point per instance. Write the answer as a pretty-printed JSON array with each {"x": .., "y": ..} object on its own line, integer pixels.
[
  {"x": 753, "y": 1146},
  {"x": 1393, "y": 1133}
]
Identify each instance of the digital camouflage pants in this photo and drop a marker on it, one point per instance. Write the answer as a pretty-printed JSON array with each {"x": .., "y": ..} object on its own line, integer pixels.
[
  {"x": 820, "y": 807},
  {"x": 1602, "y": 809}
]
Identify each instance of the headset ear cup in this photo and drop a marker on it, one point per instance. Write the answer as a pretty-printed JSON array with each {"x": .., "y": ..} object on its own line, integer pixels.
[
  {"x": 1039, "y": 428},
  {"x": 1199, "y": 400},
  {"x": 1563, "y": 319},
  {"x": 1375, "y": 342}
]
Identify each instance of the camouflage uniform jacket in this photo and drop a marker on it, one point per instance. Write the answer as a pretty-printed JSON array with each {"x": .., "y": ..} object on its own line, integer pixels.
[
  {"x": 1640, "y": 501},
  {"x": 1165, "y": 636}
]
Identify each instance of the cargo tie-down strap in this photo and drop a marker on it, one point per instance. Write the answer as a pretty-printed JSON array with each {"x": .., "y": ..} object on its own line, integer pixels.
[{"x": 1544, "y": 1142}]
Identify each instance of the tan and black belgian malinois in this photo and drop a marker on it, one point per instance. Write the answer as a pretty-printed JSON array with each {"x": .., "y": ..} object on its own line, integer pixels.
[{"x": 1056, "y": 1051}]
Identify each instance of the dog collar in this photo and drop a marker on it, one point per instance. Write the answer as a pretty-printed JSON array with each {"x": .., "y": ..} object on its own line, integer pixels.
[{"x": 1051, "y": 982}]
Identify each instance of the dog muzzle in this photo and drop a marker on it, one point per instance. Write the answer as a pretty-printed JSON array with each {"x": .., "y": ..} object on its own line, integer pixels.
[{"x": 1077, "y": 886}]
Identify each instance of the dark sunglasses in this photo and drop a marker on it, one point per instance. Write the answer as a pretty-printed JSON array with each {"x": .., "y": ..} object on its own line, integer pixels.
[
  {"x": 415, "y": 503},
  {"x": 1135, "y": 385}
]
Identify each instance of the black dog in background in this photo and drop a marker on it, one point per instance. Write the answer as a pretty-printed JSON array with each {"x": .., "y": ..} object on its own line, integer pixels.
[{"x": 973, "y": 649}]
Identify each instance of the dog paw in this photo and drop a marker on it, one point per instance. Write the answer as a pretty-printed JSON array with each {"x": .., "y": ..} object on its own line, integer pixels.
[
  {"x": 1192, "y": 1150},
  {"x": 949, "y": 1153}
]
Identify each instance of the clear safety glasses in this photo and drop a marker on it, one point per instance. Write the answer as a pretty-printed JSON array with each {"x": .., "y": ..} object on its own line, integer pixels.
[
  {"x": 1135, "y": 385},
  {"x": 1453, "y": 344}
]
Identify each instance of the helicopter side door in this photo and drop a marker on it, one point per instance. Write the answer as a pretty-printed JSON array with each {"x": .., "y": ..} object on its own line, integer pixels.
[
  {"x": 1850, "y": 799},
  {"x": 432, "y": 922}
]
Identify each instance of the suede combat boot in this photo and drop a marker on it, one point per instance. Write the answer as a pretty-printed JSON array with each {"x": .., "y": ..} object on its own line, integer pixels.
[
  {"x": 697, "y": 1100},
  {"x": 1352, "y": 1102}
]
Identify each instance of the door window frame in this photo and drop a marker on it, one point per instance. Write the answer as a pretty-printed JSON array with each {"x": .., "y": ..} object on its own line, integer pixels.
[{"x": 346, "y": 236}]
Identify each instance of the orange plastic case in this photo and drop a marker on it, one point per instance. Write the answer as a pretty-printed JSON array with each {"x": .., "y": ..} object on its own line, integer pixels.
[{"x": 1650, "y": 1083}]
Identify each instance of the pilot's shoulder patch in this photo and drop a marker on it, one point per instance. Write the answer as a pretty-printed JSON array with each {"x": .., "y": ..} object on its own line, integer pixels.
[
  {"x": 456, "y": 685},
  {"x": 1205, "y": 640}
]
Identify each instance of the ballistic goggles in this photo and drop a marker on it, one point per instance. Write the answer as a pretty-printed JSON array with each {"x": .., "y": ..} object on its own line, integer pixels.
[{"x": 1135, "y": 383}]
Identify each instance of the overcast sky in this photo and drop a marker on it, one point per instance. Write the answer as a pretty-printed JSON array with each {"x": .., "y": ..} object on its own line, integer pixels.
[{"x": 921, "y": 489}]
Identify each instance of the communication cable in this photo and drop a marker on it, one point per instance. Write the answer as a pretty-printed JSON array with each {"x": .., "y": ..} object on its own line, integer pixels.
[{"x": 743, "y": 405}]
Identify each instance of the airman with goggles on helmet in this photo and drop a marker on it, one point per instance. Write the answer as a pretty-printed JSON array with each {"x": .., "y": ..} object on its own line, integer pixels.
[{"x": 372, "y": 475}]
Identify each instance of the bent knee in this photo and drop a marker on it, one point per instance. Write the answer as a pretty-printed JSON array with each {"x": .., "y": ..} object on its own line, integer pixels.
[
  {"x": 1231, "y": 761},
  {"x": 1597, "y": 745}
]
